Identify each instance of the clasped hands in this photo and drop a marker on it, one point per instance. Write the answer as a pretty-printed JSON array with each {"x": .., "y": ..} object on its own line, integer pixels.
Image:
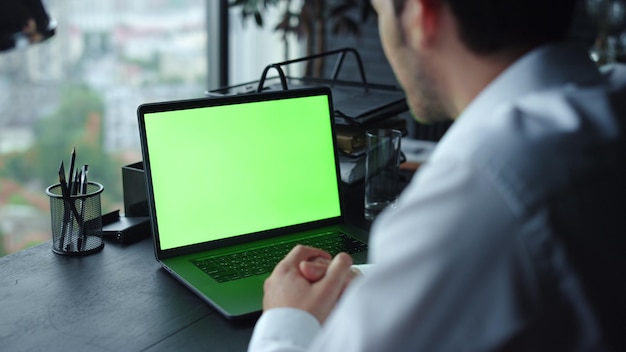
[{"x": 309, "y": 279}]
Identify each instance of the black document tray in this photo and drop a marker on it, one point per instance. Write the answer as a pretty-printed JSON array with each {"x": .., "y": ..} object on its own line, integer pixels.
[{"x": 356, "y": 103}]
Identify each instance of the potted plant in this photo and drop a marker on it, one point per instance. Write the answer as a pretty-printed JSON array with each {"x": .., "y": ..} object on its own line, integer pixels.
[{"x": 311, "y": 21}]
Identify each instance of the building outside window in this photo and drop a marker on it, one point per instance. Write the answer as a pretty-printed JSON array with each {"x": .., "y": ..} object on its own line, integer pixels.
[{"x": 81, "y": 89}]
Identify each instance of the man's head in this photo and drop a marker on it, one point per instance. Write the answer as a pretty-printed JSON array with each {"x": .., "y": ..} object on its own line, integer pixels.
[{"x": 420, "y": 36}]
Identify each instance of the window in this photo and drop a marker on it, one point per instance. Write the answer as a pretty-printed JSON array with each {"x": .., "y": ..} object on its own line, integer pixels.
[{"x": 81, "y": 89}]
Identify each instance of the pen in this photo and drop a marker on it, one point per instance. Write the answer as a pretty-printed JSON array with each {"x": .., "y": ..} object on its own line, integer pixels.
[
  {"x": 75, "y": 191},
  {"x": 83, "y": 191},
  {"x": 70, "y": 185},
  {"x": 83, "y": 180},
  {"x": 66, "y": 211},
  {"x": 67, "y": 199},
  {"x": 75, "y": 188}
]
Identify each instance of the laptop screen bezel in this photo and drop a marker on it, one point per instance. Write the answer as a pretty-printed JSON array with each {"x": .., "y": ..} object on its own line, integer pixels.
[{"x": 227, "y": 100}]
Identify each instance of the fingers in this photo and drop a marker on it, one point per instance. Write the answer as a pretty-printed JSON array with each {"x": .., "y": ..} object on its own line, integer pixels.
[
  {"x": 308, "y": 279},
  {"x": 339, "y": 270},
  {"x": 314, "y": 270},
  {"x": 302, "y": 252},
  {"x": 328, "y": 289}
]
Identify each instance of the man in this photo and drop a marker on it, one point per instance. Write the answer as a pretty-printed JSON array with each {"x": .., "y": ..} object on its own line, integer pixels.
[{"x": 511, "y": 238}]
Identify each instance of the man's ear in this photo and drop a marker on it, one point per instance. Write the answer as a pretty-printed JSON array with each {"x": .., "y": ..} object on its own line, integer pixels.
[{"x": 420, "y": 20}]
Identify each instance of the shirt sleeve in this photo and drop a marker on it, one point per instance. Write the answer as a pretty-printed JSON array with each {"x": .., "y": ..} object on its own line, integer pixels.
[
  {"x": 448, "y": 271},
  {"x": 363, "y": 269},
  {"x": 446, "y": 276},
  {"x": 284, "y": 330}
]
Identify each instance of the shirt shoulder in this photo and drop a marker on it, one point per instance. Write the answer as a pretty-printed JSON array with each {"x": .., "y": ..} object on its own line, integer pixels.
[{"x": 542, "y": 144}]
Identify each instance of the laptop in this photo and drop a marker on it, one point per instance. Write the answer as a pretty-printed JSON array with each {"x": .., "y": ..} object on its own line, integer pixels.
[{"x": 235, "y": 182}]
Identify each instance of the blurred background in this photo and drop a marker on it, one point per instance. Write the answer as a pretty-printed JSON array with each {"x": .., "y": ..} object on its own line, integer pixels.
[{"x": 81, "y": 87}]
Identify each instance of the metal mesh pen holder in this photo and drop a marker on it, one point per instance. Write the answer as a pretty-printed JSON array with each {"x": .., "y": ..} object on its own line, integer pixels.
[{"x": 77, "y": 221}]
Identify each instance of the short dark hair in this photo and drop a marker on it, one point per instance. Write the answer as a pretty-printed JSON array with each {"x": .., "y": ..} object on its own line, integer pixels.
[{"x": 490, "y": 26}]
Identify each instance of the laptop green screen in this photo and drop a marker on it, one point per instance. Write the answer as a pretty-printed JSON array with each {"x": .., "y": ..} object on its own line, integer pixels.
[{"x": 229, "y": 170}]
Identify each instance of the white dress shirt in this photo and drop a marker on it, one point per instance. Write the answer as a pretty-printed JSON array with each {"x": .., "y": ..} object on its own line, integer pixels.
[{"x": 471, "y": 258}]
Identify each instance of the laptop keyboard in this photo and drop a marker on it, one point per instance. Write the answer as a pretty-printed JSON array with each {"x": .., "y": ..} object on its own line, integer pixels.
[{"x": 262, "y": 260}]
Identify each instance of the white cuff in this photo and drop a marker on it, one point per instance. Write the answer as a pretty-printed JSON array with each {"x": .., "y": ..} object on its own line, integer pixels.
[
  {"x": 284, "y": 329},
  {"x": 363, "y": 269}
]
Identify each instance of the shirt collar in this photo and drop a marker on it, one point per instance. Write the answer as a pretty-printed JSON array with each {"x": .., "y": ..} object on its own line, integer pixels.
[{"x": 545, "y": 67}]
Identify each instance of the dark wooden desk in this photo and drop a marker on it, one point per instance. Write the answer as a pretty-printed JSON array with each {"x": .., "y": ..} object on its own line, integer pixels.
[{"x": 116, "y": 300}]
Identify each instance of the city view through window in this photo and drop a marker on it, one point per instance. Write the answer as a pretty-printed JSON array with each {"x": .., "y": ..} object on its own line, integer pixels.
[{"x": 81, "y": 89}]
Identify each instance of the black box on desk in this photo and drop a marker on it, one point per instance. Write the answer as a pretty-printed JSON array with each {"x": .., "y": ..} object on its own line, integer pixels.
[{"x": 134, "y": 187}]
